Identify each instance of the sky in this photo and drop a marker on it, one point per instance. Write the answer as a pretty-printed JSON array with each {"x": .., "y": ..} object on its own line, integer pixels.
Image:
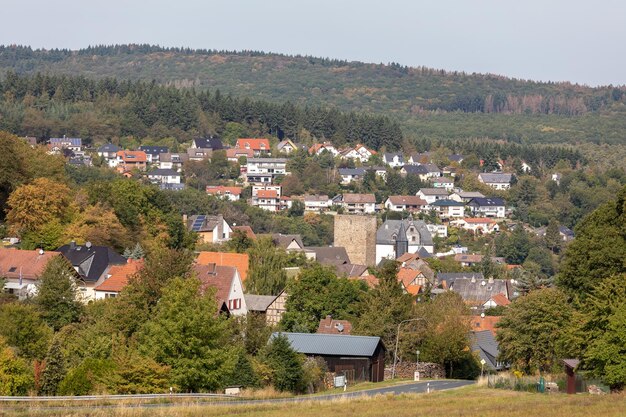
[{"x": 544, "y": 40}]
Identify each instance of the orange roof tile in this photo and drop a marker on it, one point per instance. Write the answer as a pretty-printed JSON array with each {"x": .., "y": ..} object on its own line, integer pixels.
[
  {"x": 132, "y": 156},
  {"x": 256, "y": 144},
  {"x": 413, "y": 289},
  {"x": 500, "y": 299},
  {"x": 330, "y": 326},
  {"x": 479, "y": 323},
  {"x": 235, "y": 153},
  {"x": 221, "y": 189},
  {"x": 267, "y": 194},
  {"x": 119, "y": 275},
  {"x": 478, "y": 220},
  {"x": 406, "y": 276},
  {"x": 238, "y": 260},
  {"x": 30, "y": 264}
]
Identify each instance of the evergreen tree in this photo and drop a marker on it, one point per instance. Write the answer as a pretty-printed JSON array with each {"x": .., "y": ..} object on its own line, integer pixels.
[
  {"x": 244, "y": 374},
  {"x": 553, "y": 237},
  {"x": 266, "y": 276},
  {"x": 57, "y": 294},
  {"x": 527, "y": 281},
  {"x": 54, "y": 370},
  {"x": 286, "y": 365}
]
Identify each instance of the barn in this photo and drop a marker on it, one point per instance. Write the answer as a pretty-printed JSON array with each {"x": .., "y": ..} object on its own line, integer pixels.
[{"x": 361, "y": 358}]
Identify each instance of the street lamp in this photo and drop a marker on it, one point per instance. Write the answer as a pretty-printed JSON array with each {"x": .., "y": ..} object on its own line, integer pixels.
[{"x": 395, "y": 354}]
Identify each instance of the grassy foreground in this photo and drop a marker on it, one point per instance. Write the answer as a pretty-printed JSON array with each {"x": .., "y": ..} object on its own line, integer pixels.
[{"x": 465, "y": 402}]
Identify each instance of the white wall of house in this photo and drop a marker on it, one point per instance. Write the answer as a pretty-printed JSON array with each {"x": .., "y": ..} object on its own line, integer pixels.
[{"x": 236, "y": 301}]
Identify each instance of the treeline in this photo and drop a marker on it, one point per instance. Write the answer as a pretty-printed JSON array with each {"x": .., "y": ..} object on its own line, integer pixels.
[{"x": 48, "y": 105}]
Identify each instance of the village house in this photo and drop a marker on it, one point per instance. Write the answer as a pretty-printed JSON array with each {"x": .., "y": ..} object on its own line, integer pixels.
[
  {"x": 363, "y": 355},
  {"x": 356, "y": 203},
  {"x": 440, "y": 230},
  {"x": 22, "y": 269},
  {"x": 227, "y": 284},
  {"x": 316, "y": 202},
  {"x": 269, "y": 198},
  {"x": 430, "y": 195},
  {"x": 227, "y": 193},
  {"x": 394, "y": 160},
  {"x": 108, "y": 151},
  {"x": 411, "y": 280},
  {"x": 129, "y": 160},
  {"x": 270, "y": 306},
  {"x": 210, "y": 229},
  {"x": 210, "y": 143},
  {"x": 319, "y": 148},
  {"x": 233, "y": 154},
  {"x": 478, "y": 225},
  {"x": 349, "y": 175},
  {"x": 236, "y": 260},
  {"x": 442, "y": 182},
  {"x": 469, "y": 260},
  {"x": 199, "y": 154},
  {"x": 448, "y": 209},
  {"x": 117, "y": 278},
  {"x": 380, "y": 172},
  {"x": 92, "y": 263},
  {"x": 164, "y": 176},
  {"x": 260, "y": 146},
  {"x": 423, "y": 171},
  {"x": 465, "y": 196},
  {"x": 392, "y": 232},
  {"x": 419, "y": 158},
  {"x": 456, "y": 158},
  {"x": 173, "y": 161},
  {"x": 265, "y": 170},
  {"x": 290, "y": 243},
  {"x": 487, "y": 207},
  {"x": 477, "y": 292},
  {"x": 286, "y": 146},
  {"x": 153, "y": 153},
  {"x": 496, "y": 180},
  {"x": 328, "y": 325},
  {"x": 73, "y": 144},
  {"x": 485, "y": 345},
  {"x": 410, "y": 203}
]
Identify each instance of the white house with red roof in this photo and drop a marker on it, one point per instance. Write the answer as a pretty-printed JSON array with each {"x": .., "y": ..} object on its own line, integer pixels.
[
  {"x": 226, "y": 283},
  {"x": 258, "y": 145},
  {"x": 227, "y": 193},
  {"x": 478, "y": 224}
]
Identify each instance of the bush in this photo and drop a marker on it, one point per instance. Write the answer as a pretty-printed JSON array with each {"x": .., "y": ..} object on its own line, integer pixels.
[{"x": 91, "y": 376}]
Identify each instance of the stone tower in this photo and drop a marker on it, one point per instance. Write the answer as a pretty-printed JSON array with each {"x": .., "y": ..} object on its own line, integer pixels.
[{"x": 357, "y": 233}]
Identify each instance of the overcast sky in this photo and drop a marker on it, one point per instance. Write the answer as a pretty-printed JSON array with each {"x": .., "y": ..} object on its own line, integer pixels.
[{"x": 558, "y": 40}]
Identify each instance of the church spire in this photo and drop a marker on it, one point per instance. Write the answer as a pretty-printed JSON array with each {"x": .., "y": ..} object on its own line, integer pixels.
[{"x": 402, "y": 242}]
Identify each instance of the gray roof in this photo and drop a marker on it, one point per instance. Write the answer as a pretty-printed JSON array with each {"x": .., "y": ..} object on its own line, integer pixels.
[
  {"x": 470, "y": 194},
  {"x": 154, "y": 150},
  {"x": 283, "y": 241},
  {"x": 415, "y": 169},
  {"x": 172, "y": 187},
  {"x": 332, "y": 344},
  {"x": 455, "y": 157},
  {"x": 386, "y": 232},
  {"x": 446, "y": 203},
  {"x": 433, "y": 191},
  {"x": 174, "y": 157},
  {"x": 259, "y": 302},
  {"x": 486, "y": 202},
  {"x": 389, "y": 156},
  {"x": 330, "y": 255},
  {"x": 450, "y": 277},
  {"x": 109, "y": 147},
  {"x": 477, "y": 290},
  {"x": 486, "y": 345},
  {"x": 495, "y": 177},
  {"x": 164, "y": 172},
  {"x": 352, "y": 171}
]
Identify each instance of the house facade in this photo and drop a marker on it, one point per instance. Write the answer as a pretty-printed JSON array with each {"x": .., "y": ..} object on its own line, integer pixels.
[
  {"x": 410, "y": 203},
  {"x": 356, "y": 203},
  {"x": 430, "y": 195},
  {"x": 417, "y": 234},
  {"x": 227, "y": 193},
  {"x": 210, "y": 229},
  {"x": 496, "y": 180},
  {"x": 488, "y": 207},
  {"x": 259, "y": 146}
]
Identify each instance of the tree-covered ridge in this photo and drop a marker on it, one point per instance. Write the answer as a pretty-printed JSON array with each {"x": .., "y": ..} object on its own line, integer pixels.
[
  {"x": 309, "y": 80},
  {"x": 48, "y": 105}
]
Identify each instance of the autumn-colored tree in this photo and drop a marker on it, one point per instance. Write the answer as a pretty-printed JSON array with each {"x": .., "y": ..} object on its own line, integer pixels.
[
  {"x": 33, "y": 205},
  {"x": 100, "y": 226}
]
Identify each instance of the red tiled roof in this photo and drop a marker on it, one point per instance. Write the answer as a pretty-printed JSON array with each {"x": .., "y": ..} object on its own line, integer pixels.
[
  {"x": 408, "y": 257},
  {"x": 501, "y": 300},
  {"x": 479, "y": 323},
  {"x": 218, "y": 277},
  {"x": 132, "y": 156},
  {"x": 370, "y": 280},
  {"x": 330, "y": 326},
  {"x": 221, "y": 189},
  {"x": 119, "y": 275},
  {"x": 247, "y": 230},
  {"x": 359, "y": 198},
  {"x": 256, "y": 144},
  {"x": 478, "y": 220},
  {"x": 237, "y": 260},
  {"x": 411, "y": 200},
  {"x": 267, "y": 194},
  {"x": 29, "y": 263},
  {"x": 406, "y": 276},
  {"x": 235, "y": 153}
]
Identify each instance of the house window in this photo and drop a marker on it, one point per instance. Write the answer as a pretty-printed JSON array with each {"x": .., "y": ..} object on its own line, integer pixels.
[
  {"x": 412, "y": 238},
  {"x": 13, "y": 269}
]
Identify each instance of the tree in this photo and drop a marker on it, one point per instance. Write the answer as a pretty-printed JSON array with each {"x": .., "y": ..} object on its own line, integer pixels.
[
  {"x": 286, "y": 365},
  {"x": 57, "y": 294},
  {"x": 318, "y": 292},
  {"x": 243, "y": 373},
  {"x": 187, "y": 334},
  {"x": 514, "y": 247},
  {"x": 239, "y": 242},
  {"x": 33, "y": 205},
  {"x": 599, "y": 249},
  {"x": 296, "y": 209},
  {"x": 383, "y": 307},
  {"x": 532, "y": 331},
  {"x": 553, "y": 236},
  {"x": 15, "y": 375},
  {"x": 527, "y": 281},
  {"x": 54, "y": 370},
  {"x": 266, "y": 275},
  {"x": 100, "y": 226},
  {"x": 23, "y": 329}
]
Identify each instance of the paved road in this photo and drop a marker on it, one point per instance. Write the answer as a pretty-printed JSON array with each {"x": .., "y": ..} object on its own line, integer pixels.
[{"x": 408, "y": 388}]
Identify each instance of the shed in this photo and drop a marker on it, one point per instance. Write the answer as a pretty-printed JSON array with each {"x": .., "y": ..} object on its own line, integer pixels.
[
  {"x": 570, "y": 370},
  {"x": 361, "y": 356}
]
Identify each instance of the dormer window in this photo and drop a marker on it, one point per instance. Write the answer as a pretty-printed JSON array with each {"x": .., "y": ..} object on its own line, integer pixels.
[{"x": 13, "y": 269}]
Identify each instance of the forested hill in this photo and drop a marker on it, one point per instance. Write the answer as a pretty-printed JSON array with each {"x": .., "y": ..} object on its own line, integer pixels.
[{"x": 314, "y": 81}]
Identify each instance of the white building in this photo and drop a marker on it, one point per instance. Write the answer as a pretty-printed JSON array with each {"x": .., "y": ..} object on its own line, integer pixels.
[
  {"x": 265, "y": 170},
  {"x": 478, "y": 225},
  {"x": 496, "y": 180},
  {"x": 430, "y": 195},
  {"x": 316, "y": 202},
  {"x": 356, "y": 203},
  {"x": 394, "y": 160},
  {"x": 417, "y": 235},
  {"x": 448, "y": 209},
  {"x": 164, "y": 176},
  {"x": 487, "y": 207},
  {"x": 465, "y": 196},
  {"x": 410, "y": 203}
]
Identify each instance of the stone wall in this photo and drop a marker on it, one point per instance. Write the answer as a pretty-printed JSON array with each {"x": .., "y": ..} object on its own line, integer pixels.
[
  {"x": 407, "y": 370},
  {"x": 357, "y": 233}
]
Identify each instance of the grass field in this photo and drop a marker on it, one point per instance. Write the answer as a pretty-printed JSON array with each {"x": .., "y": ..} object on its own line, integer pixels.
[{"x": 465, "y": 402}]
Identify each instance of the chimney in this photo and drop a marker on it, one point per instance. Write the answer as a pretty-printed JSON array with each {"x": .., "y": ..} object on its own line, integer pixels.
[
  {"x": 491, "y": 280},
  {"x": 72, "y": 245}
]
